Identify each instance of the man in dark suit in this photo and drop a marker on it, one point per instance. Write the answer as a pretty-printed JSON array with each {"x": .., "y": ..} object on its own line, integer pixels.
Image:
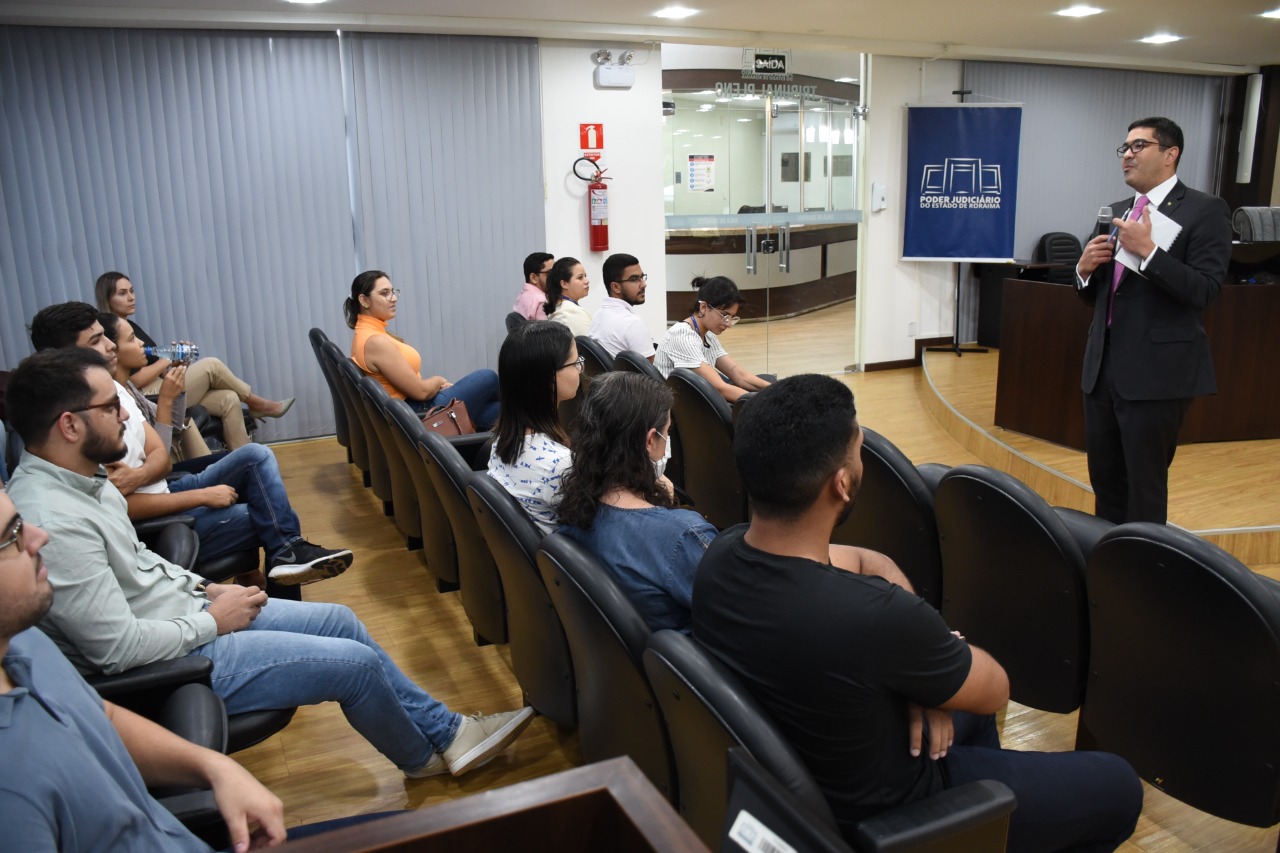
[{"x": 1147, "y": 353}]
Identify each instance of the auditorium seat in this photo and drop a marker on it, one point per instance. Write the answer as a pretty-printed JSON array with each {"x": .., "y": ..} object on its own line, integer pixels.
[
  {"x": 710, "y": 472},
  {"x": 346, "y": 395},
  {"x": 515, "y": 320},
  {"x": 634, "y": 362},
  {"x": 595, "y": 357},
  {"x": 404, "y": 498},
  {"x": 893, "y": 515},
  {"x": 379, "y": 473},
  {"x": 617, "y": 711},
  {"x": 708, "y": 711},
  {"x": 318, "y": 339},
  {"x": 481, "y": 586},
  {"x": 1185, "y": 670},
  {"x": 1013, "y": 584},
  {"x": 539, "y": 651},
  {"x": 438, "y": 549}
]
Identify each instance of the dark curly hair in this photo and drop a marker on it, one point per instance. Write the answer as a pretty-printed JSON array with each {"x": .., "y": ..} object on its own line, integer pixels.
[{"x": 609, "y": 445}]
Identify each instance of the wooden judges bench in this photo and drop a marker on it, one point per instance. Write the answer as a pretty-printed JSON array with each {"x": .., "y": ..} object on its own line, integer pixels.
[{"x": 1042, "y": 339}]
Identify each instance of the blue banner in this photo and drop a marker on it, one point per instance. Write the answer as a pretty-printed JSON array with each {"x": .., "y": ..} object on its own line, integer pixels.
[{"x": 962, "y": 182}]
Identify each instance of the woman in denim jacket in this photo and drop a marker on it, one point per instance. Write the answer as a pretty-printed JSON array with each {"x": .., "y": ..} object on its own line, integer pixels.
[{"x": 617, "y": 503}]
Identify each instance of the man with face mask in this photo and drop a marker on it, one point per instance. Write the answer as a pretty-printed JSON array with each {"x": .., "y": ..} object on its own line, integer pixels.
[{"x": 844, "y": 656}]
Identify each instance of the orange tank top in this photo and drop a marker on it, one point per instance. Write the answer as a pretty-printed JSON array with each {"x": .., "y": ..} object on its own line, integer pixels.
[{"x": 367, "y": 327}]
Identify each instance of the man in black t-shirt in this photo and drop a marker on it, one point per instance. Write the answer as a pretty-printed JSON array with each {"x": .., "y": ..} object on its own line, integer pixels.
[{"x": 849, "y": 661}]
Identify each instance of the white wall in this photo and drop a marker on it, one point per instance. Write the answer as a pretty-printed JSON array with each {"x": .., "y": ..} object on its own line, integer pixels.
[
  {"x": 894, "y": 293},
  {"x": 633, "y": 155}
]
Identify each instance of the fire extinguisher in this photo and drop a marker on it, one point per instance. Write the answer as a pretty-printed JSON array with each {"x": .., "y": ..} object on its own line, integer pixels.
[{"x": 597, "y": 204}]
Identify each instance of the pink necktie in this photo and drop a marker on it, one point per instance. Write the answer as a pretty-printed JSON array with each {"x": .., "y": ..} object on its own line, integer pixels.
[{"x": 1136, "y": 213}]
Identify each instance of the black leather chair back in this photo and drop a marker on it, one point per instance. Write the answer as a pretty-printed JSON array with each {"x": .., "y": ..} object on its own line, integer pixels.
[
  {"x": 404, "y": 497},
  {"x": 318, "y": 339},
  {"x": 894, "y": 515},
  {"x": 596, "y": 358},
  {"x": 539, "y": 651},
  {"x": 379, "y": 468},
  {"x": 707, "y": 711},
  {"x": 709, "y": 471},
  {"x": 482, "y": 596},
  {"x": 1013, "y": 584},
  {"x": 634, "y": 362},
  {"x": 1059, "y": 247},
  {"x": 1185, "y": 668},
  {"x": 617, "y": 711},
  {"x": 438, "y": 549},
  {"x": 350, "y": 398}
]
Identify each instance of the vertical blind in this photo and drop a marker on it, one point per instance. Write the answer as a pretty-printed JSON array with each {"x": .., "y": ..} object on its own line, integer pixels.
[{"x": 242, "y": 179}]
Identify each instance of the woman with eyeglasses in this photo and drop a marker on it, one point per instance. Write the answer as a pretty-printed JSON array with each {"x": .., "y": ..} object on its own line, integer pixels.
[
  {"x": 618, "y": 504},
  {"x": 210, "y": 383},
  {"x": 397, "y": 366},
  {"x": 567, "y": 286},
  {"x": 538, "y": 369},
  {"x": 693, "y": 343}
]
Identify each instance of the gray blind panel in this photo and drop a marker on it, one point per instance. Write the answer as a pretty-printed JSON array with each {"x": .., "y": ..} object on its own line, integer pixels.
[{"x": 1072, "y": 121}]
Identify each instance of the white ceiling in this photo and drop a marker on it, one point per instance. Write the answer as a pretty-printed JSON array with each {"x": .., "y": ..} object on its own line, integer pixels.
[{"x": 1228, "y": 36}]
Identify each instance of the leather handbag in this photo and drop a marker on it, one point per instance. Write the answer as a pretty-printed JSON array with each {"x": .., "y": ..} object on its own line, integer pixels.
[{"x": 450, "y": 419}]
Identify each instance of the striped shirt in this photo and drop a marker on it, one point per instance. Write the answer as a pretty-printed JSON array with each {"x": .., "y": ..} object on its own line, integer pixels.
[{"x": 681, "y": 347}]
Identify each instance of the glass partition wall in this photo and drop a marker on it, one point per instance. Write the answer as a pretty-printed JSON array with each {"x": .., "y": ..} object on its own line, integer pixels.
[{"x": 762, "y": 188}]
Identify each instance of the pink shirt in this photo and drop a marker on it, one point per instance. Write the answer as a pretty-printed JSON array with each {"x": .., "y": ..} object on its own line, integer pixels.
[{"x": 531, "y": 303}]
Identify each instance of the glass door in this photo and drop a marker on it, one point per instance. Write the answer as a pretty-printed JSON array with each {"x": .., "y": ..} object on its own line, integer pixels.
[{"x": 762, "y": 189}]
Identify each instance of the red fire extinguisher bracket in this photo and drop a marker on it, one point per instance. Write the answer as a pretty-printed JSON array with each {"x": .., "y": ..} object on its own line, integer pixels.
[{"x": 597, "y": 203}]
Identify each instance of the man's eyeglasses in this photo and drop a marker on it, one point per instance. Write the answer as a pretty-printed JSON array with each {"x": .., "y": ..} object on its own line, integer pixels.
[
  {"x": 636, "y": 279},
  {"x": 12, "y": 536},
  {"x": 112, "y": 406},
  {"x": 1137, "y": 146},
  {"x": 578, "y": 363}
]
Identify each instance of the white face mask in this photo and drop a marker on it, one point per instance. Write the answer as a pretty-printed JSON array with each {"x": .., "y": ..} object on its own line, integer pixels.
[{"x": 660, "y": 465}]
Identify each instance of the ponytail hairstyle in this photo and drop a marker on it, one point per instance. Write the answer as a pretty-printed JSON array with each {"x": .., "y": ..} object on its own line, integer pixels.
[
  {"x": 718, "y": 292},
  {"x": 361, "y": 286},
  {"x": 561, "y": 271}
]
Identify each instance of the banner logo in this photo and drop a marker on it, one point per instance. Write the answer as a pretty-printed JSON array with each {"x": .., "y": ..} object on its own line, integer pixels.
[{"x": 960, "y": 182}]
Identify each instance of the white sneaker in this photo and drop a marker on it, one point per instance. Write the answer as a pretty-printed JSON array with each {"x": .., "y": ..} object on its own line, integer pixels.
[
  {"x": 481, "y": 738},
  {"x": 434, "y": 767}
]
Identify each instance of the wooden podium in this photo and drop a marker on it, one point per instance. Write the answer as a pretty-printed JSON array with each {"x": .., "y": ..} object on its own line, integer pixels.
[
  {"x": 605, "y": 806},
  {"x": 1044, "y": 328}
]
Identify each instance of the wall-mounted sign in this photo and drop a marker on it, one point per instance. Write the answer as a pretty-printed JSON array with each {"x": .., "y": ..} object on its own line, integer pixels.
[
  {"x": 591, "y": 137},
  {"x": 766, "y": 64},
  {"x": 702, "y": 173},
  {"x": 759, "y": 90}
]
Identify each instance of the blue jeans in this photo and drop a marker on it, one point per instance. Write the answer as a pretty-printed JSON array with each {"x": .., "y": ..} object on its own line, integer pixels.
[
  {"x": 478, "y": 389},
  {"x": 304, "y": 653},
  {"x": 1088, "y": 802},
  {"x": 261, "y": 516}
]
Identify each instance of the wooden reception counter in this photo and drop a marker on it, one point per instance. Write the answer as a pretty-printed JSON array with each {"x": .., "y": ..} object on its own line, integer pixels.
[{"x": 1042, "y": 338}]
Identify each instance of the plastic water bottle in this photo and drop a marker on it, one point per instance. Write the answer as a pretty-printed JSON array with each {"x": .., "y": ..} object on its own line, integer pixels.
[{"x": 182, "y": 352}]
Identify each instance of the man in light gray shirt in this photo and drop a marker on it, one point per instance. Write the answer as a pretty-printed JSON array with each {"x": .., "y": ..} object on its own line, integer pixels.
[{"x": 119, "y": 605}]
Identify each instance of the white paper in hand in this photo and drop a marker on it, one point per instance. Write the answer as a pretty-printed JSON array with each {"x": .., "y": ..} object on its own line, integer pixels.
[{"x": 1163, "y": 232}]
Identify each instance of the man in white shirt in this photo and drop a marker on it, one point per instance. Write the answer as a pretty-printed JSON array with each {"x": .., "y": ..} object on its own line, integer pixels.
[{"x": 616, "y": 325}]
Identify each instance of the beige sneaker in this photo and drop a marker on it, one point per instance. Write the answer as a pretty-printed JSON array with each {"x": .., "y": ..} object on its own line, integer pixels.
[
  {"x": 434, "y": 767},
  {"x": 481, "y": 738}
]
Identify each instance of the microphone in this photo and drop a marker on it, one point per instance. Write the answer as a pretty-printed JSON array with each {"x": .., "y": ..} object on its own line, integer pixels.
[{"x": 1104, "y": 221}]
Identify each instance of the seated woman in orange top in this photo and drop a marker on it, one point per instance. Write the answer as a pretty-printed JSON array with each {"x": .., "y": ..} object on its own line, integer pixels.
[{"x": 397, "y": 366}]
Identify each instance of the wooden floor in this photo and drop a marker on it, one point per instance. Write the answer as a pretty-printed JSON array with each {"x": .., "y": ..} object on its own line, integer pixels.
[
  {"x": 322, "y": 769},
  {"x": 1223, "y": 491}
]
